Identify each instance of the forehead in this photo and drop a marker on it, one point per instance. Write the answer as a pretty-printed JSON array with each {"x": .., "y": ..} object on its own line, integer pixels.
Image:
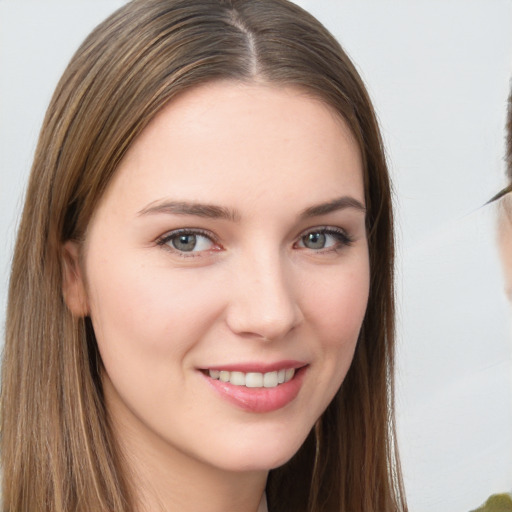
[{"x": 256, "y": 139}]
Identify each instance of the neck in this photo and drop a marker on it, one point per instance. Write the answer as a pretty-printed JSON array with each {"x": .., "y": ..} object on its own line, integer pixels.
[
  {"x": 165, "y": 479},
  {"x": 165, "y": 488}
]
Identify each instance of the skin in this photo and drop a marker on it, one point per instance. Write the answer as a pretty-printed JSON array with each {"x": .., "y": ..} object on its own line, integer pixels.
[
  {"x": 251, "y": 292},
  {"x": 505, "y": 242}
]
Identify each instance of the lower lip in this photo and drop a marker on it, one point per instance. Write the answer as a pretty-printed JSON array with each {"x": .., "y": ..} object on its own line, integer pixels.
[{"x": 259, "y": 399}]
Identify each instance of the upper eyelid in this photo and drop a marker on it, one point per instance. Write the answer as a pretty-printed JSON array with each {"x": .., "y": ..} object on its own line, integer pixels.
[
  {"x": 163, "y": 239},
  {"x": 163, "y": 242},
  {"x": 194, "y": 231},
  {"x": 210, "y": 234},
  {"x": 324, "y": 229},
  {"x": 345, "y": 237}
]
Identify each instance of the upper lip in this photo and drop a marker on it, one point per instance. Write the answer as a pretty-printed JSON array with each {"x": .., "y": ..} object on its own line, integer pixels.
[{"x": 258, "y": 367}]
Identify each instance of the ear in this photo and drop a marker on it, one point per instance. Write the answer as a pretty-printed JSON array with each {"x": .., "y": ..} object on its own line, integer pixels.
[{"x": 73, "y": 283}]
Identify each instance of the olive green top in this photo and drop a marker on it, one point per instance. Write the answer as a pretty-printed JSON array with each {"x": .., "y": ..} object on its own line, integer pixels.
[{"x": 497, "y": 503}]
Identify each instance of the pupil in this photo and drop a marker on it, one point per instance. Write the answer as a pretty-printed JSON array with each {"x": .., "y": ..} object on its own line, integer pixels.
[
  {"x": 185, "y": 242},
  {"x": 315, "y": 240}
]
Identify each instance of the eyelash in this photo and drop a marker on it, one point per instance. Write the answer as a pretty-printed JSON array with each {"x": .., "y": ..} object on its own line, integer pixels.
[
  {"x": 342, "y": 237},
  {"x": 165, "y": 240}
]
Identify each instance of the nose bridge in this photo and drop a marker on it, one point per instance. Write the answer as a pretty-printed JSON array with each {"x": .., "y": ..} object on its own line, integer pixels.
[{"x": 265, "y": 304}]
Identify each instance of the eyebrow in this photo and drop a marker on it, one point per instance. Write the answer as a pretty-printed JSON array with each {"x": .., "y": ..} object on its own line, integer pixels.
[
  {"x": 340, "y": 203},
  {"x": 212, "y": 211},
  {"x": 209, "y": 211}
]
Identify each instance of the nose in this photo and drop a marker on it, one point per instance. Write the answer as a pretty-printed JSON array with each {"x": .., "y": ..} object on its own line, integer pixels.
[{"x": 264, "y": 304}]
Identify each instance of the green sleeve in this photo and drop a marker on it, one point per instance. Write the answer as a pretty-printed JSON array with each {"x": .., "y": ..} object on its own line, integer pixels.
[{"x": 497, "y": 503}]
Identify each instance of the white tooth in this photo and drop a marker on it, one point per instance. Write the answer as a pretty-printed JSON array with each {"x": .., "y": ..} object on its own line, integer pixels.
[
  {"x": 214, "y": 374},
  {"x": 270, "y": 380},
  {"x": 224, "y": 376},
  {"x": 254, "y": 380},
  {"x": 237, "y": 378},
  {"x": 289, "y": 374},
  {"x": 281, "y": 376}
]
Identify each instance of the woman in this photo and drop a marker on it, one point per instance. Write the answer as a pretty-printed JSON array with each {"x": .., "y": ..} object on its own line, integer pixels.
[{"x": 200, "y": 309}]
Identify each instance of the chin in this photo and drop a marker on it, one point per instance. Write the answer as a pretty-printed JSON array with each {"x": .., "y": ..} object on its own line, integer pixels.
[
  {"x": 256, "y": 463},
  {"x": 261, "y": 453}
]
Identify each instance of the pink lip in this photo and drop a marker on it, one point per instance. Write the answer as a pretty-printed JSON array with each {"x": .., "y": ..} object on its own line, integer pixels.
[
  {"x": 258, "y": 400},
  {"x": 259, "y": 367}
]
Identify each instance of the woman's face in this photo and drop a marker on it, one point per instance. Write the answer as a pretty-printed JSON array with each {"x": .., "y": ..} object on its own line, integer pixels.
[{"x": 228, "y": 254}]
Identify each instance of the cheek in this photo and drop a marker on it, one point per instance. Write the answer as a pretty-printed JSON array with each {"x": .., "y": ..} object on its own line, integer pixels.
[
  {"x": 147, "y": 321},
  {"x": 338, "y": 308},
  {"x": 339, "y": 304},
  {"x": 149, "y": 311}
]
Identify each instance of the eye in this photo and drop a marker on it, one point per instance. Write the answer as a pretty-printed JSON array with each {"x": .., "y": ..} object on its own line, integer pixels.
[
  {"x": 187, "y": 241},
  {"x": 325, "y": 238}
]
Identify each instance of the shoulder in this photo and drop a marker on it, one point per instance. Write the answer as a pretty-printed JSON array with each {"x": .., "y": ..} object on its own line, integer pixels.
[{"x": 497, "y": 503}]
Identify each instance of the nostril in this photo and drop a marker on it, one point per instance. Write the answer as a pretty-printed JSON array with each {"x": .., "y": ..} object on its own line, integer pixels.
[{"x": 262, "y": 329}]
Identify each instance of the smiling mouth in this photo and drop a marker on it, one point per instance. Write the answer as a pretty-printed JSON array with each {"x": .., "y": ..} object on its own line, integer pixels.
[
  {"x": 253, "y": 379},
  {"x": 258, "y": 392}
]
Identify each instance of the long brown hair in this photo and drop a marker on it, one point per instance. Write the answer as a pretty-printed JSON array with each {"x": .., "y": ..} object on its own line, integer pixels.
[{"x": 58, "y": 451}]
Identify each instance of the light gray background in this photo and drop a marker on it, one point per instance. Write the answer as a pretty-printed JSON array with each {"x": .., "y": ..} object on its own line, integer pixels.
[{"x": 438, "y": 72}]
